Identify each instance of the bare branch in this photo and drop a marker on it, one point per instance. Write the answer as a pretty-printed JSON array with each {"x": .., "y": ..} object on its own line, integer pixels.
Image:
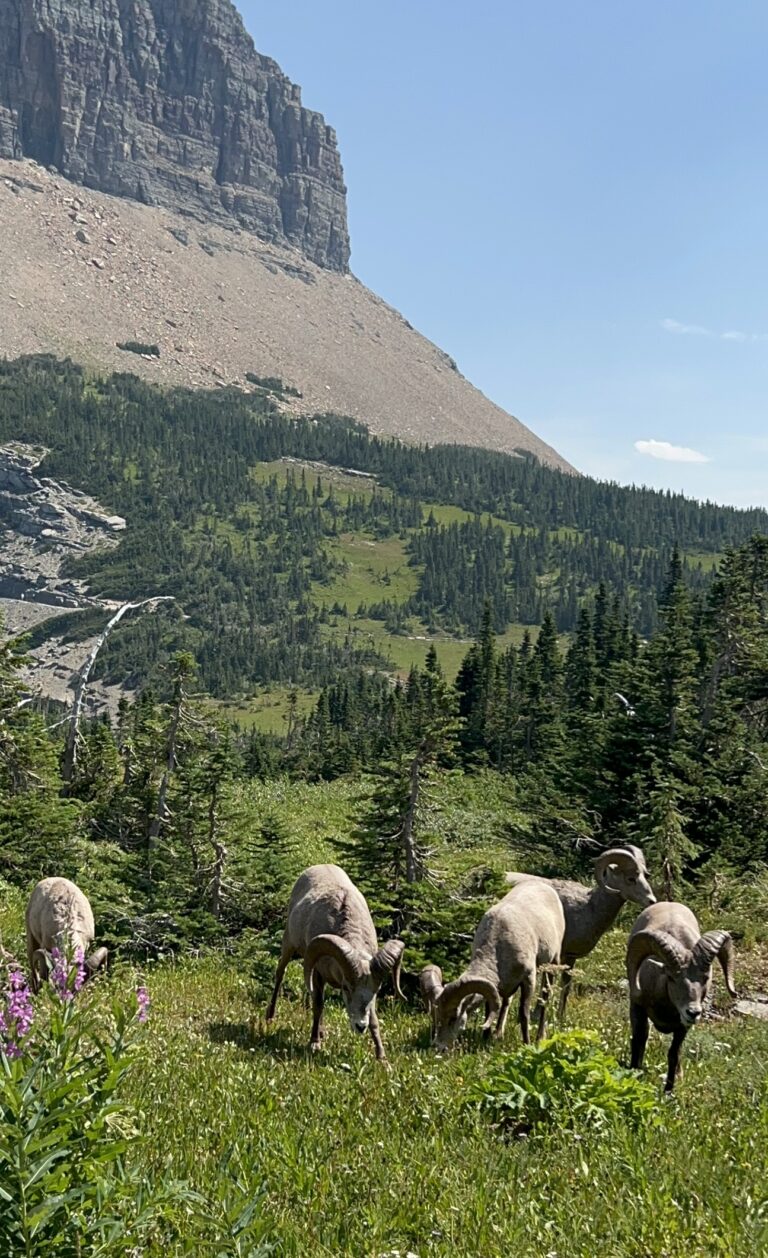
[{"x": 70, "y": 754}]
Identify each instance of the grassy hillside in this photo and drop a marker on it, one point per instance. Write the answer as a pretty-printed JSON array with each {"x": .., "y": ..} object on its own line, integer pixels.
[{"x": 312, "y": 548}]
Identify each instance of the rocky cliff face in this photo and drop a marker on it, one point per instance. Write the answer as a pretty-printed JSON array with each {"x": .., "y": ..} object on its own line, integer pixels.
[{"x": 167, "y": 102}]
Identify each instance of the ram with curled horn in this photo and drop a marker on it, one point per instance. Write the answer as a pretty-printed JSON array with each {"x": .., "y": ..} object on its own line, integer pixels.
[
  {"x": 59, "y": 917},
  {"x": 515, "y": 938},
  {"x": 669, "y": 968},
  {"x": 620, "y": 876},
  {"x": 331, "y": 929}
]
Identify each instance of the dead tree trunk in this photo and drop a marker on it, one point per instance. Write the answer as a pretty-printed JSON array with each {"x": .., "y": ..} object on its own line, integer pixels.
[
  {"x": 73, "y": 733},
  {"x": 412, "y": 863}
]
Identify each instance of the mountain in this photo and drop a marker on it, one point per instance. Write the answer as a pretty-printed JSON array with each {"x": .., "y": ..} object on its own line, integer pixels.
[
  {"x": 162, "y": 185},
  {"x": 167, "y": 102}
]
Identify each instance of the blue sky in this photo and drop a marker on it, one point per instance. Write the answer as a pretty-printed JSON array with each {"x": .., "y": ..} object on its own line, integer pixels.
[{"x": 572, "y": 200}]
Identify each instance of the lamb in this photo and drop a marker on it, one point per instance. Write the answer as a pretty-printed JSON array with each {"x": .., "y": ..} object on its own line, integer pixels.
[
  {"x": 517, "y": 935},
  {"x": 669, "y": 967},
  {"x": 621, "y": 875},
  {"x": 59, "y": 916},
  {"x": 331, "y": 928}
]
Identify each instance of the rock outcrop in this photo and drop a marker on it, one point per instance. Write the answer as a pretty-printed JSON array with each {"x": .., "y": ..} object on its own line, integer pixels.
[
  {"x": 168, "y": 103},
  {"x": 42, "y": 523}
]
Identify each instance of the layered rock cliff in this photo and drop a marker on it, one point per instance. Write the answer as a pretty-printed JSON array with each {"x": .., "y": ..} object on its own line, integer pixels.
[{"x": 168, "y": 103}]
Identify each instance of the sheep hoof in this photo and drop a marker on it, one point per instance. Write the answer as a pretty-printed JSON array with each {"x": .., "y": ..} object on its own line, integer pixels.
[{"x": 315, "y": 1046}]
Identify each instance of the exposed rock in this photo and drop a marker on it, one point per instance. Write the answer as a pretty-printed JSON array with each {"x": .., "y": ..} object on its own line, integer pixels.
[
  {"x": 325, "y": 333},
  {"x": 44, "y": 521},
  {"x": 167, "y": 102},
  {"x": 755, "y": 1007}
]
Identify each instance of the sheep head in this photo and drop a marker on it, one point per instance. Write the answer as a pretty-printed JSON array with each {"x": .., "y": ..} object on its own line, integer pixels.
[
  {"x": 359, "y": 977},
  {"x": 688, "y": 973},
  {"x": 623, "y": 871},
  {"x": 454, "y": 1004},
  {"x": 42, "y": 963}
]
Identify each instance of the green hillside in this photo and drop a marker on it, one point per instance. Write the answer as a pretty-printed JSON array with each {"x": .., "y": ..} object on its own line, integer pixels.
[{"x": 310, "y": 547}]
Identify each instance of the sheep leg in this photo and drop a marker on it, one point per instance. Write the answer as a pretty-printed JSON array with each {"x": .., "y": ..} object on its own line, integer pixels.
[
  {"x": 488, "y": 1024},
  {"x": 546, "y": 992},
  {"x": 501, "y": 1021},
  {"x": 673, "y": 1060},
  {"x": 376, "y": 1036},
  {"x": 639, "y": 1022},
  {"x": 35, "y": 981},
  {"x": 569, "y": 960},
  {"x": 282, "y": 965},
  {"x": 526, "y": 995},
  {"x": 318, "y": 1001}
]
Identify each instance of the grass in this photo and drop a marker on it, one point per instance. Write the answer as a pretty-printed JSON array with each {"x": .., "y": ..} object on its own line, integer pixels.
[
  {"x": 358, "y": 1161},
  {"x": 374, "y": 570},
  {"x": 403, "y": 651},
  {"x": 267, "y": 711},
  {"x": 341, "y": 1157}
]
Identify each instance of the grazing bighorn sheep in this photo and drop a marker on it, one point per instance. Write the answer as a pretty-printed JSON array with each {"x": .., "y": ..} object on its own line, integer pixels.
[
  {"x": 517, "y": 935},
  {"x": 59, "y": 916},
  {"x": 669, "y": 967},
  {"x": 331, "y": 928},
  {"x": 431, "y": 985},
  {"x": 621, "y": 875}
]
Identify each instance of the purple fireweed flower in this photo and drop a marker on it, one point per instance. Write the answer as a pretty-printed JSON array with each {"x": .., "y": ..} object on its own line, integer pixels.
[
  {"x": 143, "y": 1001},
  {"x": 16, "y": 1013},
  {"x": 67, "y": 977}
]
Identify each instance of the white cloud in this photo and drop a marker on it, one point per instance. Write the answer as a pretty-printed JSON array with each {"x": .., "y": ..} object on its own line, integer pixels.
[
  {"x": 685, "y": 329},
  {"x": 669, "y": 453},
  {"x": 695, "y": 329}
]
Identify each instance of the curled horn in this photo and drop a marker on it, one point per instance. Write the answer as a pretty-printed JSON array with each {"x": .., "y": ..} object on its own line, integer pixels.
[
  {"x": 654, "y": 943},
  {"x": 387, "y": 961},
  {"x": 431, "y": 984},
  {"x": 717, "y": 943},
  {"x": 333, "y": 946},
  {"x": 452, "y": 995},
  {"x": 97, "y": 960},
  {"x": 628, "y": 857}
]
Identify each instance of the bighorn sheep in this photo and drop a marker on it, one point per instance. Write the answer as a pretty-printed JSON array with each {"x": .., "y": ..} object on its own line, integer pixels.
[
  {"x": 330, "y": 927},
  {"x": 521, "y": 932},
  {"x": 59, "y": 916},
  {"x": 621, "y": 875},
  {"x": 431, "y": 985},
  {"x": 669, "y": 967}
]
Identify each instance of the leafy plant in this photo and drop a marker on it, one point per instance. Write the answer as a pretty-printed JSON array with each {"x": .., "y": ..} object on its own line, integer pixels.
[
  {"x": 63, "y": 1130},
  {"x": 569, "y": 1080}
]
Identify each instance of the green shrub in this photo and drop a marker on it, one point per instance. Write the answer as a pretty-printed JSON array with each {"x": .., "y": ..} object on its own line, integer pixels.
[
  {"x": 139, "y": 347},
  {"x": 568, "y": 1080},
  {"x": 272, "y": 384}
]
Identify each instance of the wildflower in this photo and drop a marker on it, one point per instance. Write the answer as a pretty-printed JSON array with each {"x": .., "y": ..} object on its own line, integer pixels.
[
  {"x": 16, "y": 1014},
  {"x": 143, "y": 1001},
  {"x": 67, "y": 978}
]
